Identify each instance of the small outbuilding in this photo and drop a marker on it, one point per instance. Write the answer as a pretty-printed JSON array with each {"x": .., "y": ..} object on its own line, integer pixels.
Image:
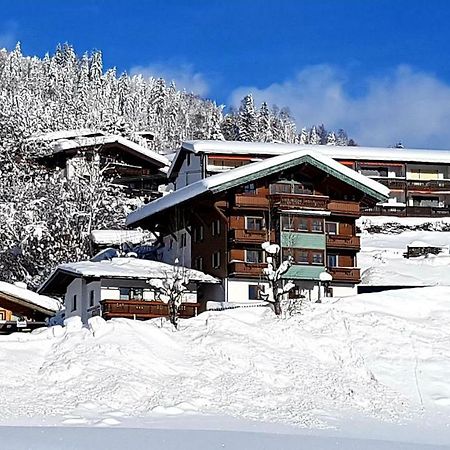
[{"x": 419, "y": 248}]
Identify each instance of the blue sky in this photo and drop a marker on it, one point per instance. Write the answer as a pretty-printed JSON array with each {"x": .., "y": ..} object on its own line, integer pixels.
[{"x": 378, "y": 68}]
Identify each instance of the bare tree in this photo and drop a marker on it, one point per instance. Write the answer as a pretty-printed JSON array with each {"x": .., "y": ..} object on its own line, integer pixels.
[
  {"x": 172, "y": 288},
  {"x": 274, "y": 273}
]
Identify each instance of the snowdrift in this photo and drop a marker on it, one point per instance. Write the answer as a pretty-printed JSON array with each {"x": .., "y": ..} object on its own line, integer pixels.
[{"x": 383, "y": 356}]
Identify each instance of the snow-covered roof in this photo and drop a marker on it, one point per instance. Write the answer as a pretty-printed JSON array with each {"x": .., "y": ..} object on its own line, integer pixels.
[
  {"x": 132, "y": 268},
  {"x": 419, "y": 244},
  {"x": 63, "y": 145},
  {"x": 66, "y": 140},
  {"x": 243, "y": 174},
  {"x": 66, "y": 134},
  {"x": 29, "y": 298},
  {"x": 117, "y": 237},
  {"x": 337, "y": 152},
  {"x": 358, "y": 153}
]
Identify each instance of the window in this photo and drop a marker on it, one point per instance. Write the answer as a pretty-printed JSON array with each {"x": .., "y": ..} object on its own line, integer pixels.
[
  {"x": 136, "y": 294},
  {"x": 74, "y": 303},
  {"x": 331, "y": 227},
  {"x": 254, "y": 256},
  {"x": 183, "y": 240},
  {"x": 215, "y": 227},
  {"x": 317, "y": 225},
  {"x": 198, "y": 234},
  {"x": 91, "y": 298},
  {"x": 253, "y": 292},
  {"x": 302, "y": 224},
  {"x": 287, "y": 223},
  {"x": 254, "y": 223},
  {"x": 124, "y": 293},
  {"x": 216, "y": 260},
  {"x": 199, "y": 263},
  {"x": 301, "y": 257},
  {"x": 332, "y": 260},
  {"x": 317, "y": 257},
  {"x": 250, "y": 189}
]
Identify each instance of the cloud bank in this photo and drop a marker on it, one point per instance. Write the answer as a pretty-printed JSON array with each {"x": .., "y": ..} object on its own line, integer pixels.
[
  {"x": 184, "y": 76},
  {"x": 405, "y": 105}
]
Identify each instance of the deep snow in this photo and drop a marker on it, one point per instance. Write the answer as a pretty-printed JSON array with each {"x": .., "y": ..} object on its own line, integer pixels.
[{"x": 382, "y": 358}]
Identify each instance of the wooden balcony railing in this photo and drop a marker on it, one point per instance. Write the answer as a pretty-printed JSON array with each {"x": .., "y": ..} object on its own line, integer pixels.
[
  {"x": 141, "y": 310},
  {"x": 251, "y": 236},
  {"x": 344, "y": 208},
  {"x": 343, "y": 242},
  {"x": 408, "y": 211},
  {"x": 245, "y": 269},
  {"x": 298, "y": 201},
  {"x": 251, "y": 201},
  {"x": 349, "y": 274}
]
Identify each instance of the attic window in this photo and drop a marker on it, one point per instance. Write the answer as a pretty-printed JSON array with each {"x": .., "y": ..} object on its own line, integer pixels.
[{"x": 250, "y": 189}]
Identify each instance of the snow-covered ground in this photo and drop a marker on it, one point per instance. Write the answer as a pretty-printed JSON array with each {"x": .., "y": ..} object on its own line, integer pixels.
[
  {"x": 353, "y": 368},
  {"x": 381, "y": 257}
]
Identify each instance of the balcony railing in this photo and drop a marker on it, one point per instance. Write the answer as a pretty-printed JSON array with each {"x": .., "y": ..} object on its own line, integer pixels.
[
  {"x": 343, "y": 242},
  {"x": 246, "y": 269},
  {"x": 344, "y": 208},
  {"x": 408, "y": 211},
  {"x": 251, "y": 201},
  {"x": 251, "y": 236},
  {"x": 298, "y": 201},
  {"x": 141, "y": 310},
  {"x": 348, "y": 274}
]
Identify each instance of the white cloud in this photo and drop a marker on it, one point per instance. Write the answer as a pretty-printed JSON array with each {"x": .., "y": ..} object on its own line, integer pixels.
[
  {"x": 184, "y": 76},
  {"x": 8, "y": 37},
  {"x": 405, "y": 105}
]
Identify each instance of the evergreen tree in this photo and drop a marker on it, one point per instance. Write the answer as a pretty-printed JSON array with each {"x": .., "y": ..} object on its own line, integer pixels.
[
  {"x": 264, "y": 124},
  {"x": 247, "y": 122},
  {"x": 314, "y": 138},
  {"x": 304, "y": 136},
  {"x": 331, "y": 138}
]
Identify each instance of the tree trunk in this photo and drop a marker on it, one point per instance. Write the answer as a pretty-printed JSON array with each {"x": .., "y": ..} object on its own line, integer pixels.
[{"x": 277, "y": 307}]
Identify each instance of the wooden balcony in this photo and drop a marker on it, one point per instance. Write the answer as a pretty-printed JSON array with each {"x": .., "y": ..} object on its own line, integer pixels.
[
  {"x": 343, "y": 242},
  {"x": 345, "y": 274},
  {"x": 251, "y": 236},
  {"x": 428, "y": 185},
  {"x": 408, "y": 211},
  {"x": 245, "y": 269},
  {"x": 298, "y": 201},
  {"x": 344, "y": 208},
  {"x": 251, "y": 201},
  {"x": 143, "y": 310}
]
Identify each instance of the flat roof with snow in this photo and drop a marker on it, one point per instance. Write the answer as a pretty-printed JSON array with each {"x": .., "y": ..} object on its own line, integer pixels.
[
  {"x": 244, "y": 174},
  {"x": 337, "y": 152}
]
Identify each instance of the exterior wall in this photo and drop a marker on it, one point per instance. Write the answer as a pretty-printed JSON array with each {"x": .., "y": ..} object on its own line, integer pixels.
[
  {"x": 191, "y": 173},
  {"x": 343, "y": 290},
  {"x": 76, "y": 287},
  {"x": 172, "y": 249},
  {"x": 238, "y": 290}
]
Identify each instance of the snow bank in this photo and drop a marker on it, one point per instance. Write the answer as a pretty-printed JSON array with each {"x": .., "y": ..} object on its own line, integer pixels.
[{"x": 382, "y": 356}]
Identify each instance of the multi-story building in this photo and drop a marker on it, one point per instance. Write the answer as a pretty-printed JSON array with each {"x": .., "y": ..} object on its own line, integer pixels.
[
  {"x": 418, "y": 180},
  {"x": 125, "y": 162},
  {"x": 304, "y": 201}
]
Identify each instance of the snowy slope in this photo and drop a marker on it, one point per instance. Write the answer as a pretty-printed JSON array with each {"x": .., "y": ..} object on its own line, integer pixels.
[{"x": 383, "y": 357}]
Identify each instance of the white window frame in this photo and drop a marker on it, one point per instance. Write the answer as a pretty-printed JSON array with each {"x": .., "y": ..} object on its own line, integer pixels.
[
  {"x": 215, "y": 227},
  {"x": 257, "y": 218},
  {"x": 214, "y": 256}
]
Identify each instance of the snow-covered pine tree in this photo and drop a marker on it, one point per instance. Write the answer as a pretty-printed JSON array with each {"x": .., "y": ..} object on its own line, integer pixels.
[
  {"x": 264, "y": 124},
  {"x": 247, "y": 121},
  {"x": 331, "y": 138},
  {"x": 341, "y": 138},
  {"x": 304, "y": 137},
  {"x": 314, "y": 138}
]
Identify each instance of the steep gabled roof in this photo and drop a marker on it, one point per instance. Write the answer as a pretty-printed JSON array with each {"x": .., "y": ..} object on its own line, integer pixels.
[
  {"x": 250, "y": 172},
  {"x": 277, "y": 148}
]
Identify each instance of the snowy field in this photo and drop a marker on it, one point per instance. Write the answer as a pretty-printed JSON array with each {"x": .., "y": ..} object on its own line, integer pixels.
[
  {"x": 365, "y": 372},
  {"x": 372, "y": 367}
]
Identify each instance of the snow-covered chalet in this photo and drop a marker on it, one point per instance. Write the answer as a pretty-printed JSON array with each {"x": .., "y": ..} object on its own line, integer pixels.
[{"x": 303, "y": 200}]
